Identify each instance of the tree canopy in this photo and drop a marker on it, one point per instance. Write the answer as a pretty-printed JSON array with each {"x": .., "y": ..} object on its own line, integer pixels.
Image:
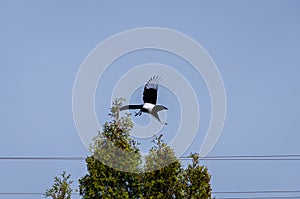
[
  {"x": 61, "y": 189},
  {"x": 116, "y": 168}
]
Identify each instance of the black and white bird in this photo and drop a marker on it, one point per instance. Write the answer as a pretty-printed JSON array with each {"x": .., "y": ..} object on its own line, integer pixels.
[{"x": 150, "y": 99}]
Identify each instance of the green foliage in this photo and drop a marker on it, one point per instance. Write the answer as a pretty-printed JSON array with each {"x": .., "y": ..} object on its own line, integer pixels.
[
  {"x": 196, "y": 180},
  {"x": 114, "y": 152},
  {"x": 61, "y": 189},
  {"x": 161, "y": 181},
  {"x": 113, "y": 146}
]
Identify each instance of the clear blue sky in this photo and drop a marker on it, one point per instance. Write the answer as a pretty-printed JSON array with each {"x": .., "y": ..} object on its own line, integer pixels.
[{"x": 255, "y": 45}]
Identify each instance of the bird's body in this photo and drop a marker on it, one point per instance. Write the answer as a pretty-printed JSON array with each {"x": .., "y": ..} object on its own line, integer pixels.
[
  {"x": 148, "y": 106},
  {"x": 150, "y": 99}
]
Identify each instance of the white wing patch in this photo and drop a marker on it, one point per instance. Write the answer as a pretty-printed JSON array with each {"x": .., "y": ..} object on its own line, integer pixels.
[{"x": 148, "y": 106}]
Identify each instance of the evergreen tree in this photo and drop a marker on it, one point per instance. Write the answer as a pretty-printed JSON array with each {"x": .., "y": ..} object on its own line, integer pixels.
[
  {"x": 196, "y": 180},
  {"x": 61, "y": 189},
  {"x": 159, "y": 180},
  {"x": 113, "y": 153},
  {"x": 116, "y": 170}
]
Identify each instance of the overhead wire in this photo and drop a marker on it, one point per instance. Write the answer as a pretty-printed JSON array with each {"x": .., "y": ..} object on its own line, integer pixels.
[
  {"x": 256, "y": 192},
  {"x": 260, "y": 197},
  {"x": 214, "y": 192},
  {"x": 223, "y": 157}
]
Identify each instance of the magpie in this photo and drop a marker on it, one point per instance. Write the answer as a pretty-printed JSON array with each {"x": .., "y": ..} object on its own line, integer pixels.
[{"x": 150, "y": 99}]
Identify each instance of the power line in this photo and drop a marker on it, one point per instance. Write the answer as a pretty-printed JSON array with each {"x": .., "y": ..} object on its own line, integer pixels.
[
  {"x": 214, "y": 192},
  {"x": 261, "y": 197},
  {"x": 44, "y": 158},
  {"x": 231, "y": 192},
  {"x": 256, "y": 192},
  {"x": 250, "y": 157},
  {"x": 27, "y": 193},
  {"x": 259, "y": 192},
  {"x": 20, "y": 193},
  {"x": 224, "y": 157}
]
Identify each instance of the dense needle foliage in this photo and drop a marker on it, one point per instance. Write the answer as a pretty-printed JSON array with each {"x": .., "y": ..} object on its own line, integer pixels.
[
  {"x": 61, "y": 188},
  {"x": 150, "y": 178},
  {"x": 116, "y": 169}
]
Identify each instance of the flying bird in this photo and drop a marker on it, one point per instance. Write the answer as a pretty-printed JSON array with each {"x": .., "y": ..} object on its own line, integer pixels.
[{"x": 150, "y": 99}]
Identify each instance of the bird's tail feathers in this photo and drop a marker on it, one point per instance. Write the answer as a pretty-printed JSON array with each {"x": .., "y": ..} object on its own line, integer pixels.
[
  {"x": 155, "y": 115},
  {"x": 157, "y": 108}
]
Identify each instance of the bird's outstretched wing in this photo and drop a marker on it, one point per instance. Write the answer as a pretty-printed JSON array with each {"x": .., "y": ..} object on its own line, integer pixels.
[
  {"x": 150, "y": 90},
  {"x": 131, "y": 107}
]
